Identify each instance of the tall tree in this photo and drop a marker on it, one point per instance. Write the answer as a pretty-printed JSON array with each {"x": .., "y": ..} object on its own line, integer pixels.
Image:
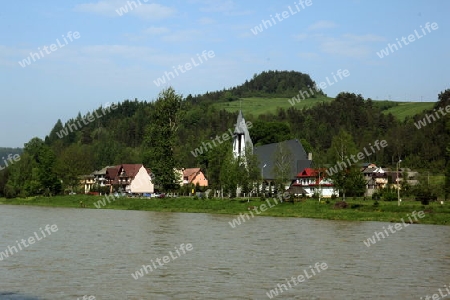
[
  {"x": 283, "y": 162},
  {"x": 160, "y": 138},
  {"x": 342, "y": 147}
]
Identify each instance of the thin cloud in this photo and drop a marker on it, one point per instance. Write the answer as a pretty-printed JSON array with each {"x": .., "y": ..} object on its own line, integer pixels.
[
  {"x": 322, "y": 25},
  {"x": 156, "y": 30},
  {"x": 308, "y": 55},
  {"x": 344, "y": 46},
  {"x": 143, "y": 10},
  {"x": 206, "y": 21},
  {"x": 216, "y": 5},
  {"x": 364, "y": 38},
  {"x": 183, "y": 36}
]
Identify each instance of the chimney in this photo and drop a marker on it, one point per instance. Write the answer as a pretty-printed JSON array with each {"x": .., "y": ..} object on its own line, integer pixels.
[{"x": 310, "y": 156}]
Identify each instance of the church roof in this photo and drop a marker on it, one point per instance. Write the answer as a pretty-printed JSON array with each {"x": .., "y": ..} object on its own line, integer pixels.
[{"x": 266, "y": 156}]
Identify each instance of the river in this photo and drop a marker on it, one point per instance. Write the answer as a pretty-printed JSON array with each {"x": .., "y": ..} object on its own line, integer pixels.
[{"x": 94, "y": 252}]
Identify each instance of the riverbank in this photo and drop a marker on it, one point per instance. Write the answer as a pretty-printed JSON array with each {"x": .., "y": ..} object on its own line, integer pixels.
[{"x": 357, "y": 209}]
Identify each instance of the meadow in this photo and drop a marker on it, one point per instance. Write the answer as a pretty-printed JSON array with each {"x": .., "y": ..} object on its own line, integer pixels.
[
  {"x": 357, "y": 209},
  {"x": 257, "y": 106}
]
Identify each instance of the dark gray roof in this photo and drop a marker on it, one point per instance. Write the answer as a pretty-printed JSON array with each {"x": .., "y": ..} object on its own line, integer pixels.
[{"x": 266, "y": 155}]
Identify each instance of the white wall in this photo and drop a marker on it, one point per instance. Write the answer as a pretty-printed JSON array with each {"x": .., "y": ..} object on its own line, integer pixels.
[{"x": 142, "y": 183}]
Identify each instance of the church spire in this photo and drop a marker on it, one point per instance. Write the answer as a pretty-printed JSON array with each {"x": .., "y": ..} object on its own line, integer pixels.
[{"x": 241, "y": 138}]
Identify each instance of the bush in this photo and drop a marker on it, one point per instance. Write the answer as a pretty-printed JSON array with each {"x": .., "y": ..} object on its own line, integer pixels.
[
  {"x": 10, "y": 191},
  {"x": 340, "y": 205},
  {"x": 425, "y": 196},
  {"x": 376, "y": 196},
  {"x": 333, "y": 197},
  {"x": 389, "y": 196},
  {"x": 376, "y": 204}
]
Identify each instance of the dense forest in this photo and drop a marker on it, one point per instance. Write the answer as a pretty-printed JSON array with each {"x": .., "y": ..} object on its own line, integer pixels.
[{"x": 163, "y": 133}]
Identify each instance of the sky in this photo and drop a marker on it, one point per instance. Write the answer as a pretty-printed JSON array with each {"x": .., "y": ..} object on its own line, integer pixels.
[{"x": 58, "y": 58}]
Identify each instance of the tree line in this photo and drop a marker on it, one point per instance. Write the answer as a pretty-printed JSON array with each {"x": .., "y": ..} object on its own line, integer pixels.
[{"x": 161, "y": 134}]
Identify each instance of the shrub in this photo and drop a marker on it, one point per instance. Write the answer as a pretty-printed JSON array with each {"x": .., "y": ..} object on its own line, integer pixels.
[
  {"x": 376, "y": 204},
  {"x": 10, "y": 191},
  {"x": 376, "y": 196},
  {"x": 425, "y": 196},
  {"x": 389, "y": 196},
  {"x": 340, "y": 205}
]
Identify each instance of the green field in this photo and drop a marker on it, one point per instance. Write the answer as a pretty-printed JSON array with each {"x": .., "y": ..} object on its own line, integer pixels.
[
  {"x": 257, "y": 106},
  {"x": 405, "y": 109},
  {"x": 357, "y": 210}
]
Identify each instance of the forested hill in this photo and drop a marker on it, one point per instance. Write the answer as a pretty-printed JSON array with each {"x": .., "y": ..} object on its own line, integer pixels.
[
  {"x": 132, "y": 133},
  {"x": 4, "y": 152},
  {"x": 271, "y": 84}
]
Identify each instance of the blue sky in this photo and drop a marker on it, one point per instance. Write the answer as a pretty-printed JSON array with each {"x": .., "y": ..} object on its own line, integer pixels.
[{"x": 119, "y": 57}]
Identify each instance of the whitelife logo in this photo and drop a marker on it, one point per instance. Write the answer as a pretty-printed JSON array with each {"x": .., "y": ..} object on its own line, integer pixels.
[
  {"x": 429, "y": 118},
  {"x": 166, "y": 259},
  {"x": 31, "y": 240},
  {"x": 129, "y": 7},
  {"x": 398, "y": 226},
  {"x": 237, "y": 221},
  {"x": 265, "y": 24},
  {"x": 225, "y": 137},
  {"x": 344, "y": 165},
  {"x": 322, "y": 86},
  {"x": 391, "y": 48},
  {"x": 53, "y": 47},
  {"x": 11, "y": 158},
  {"x": 187, "y": 66},
  {"x": 300, "y": 278},
  {"x": 74, "y": 126}
]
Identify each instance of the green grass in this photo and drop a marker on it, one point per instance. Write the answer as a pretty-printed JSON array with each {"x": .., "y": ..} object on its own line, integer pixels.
[
  {"x": 258, "y": 106},
  {"x": 405, "y": 109},
  {"x": 358, "y": 210}
]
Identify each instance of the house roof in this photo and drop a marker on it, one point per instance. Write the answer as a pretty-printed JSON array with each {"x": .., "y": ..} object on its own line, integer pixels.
[
  {"x": 102, "y": 171},
  {"x": 307, "y": 172},
  {"x": 266, "y": 156},
  {"x": 130, "y": 170},
  {"x": 191, "y": 173},
  {"x": 310, "y": 172}
]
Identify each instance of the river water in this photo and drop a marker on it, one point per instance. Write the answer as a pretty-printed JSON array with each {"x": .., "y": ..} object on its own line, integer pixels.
[{"x": 95, "y": 252}]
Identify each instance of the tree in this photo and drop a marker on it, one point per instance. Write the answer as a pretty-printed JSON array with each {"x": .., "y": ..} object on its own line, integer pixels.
[
  {"x": 230, "y": 174},
  {"x": 283, "y": 162},
  {"x": 76, "y": 160},
  {"x": 342, "y": 147},
  {"x": 34, "y": 173},
  {"x": 355, "y": 184},
  {"x": 160, "y": 138}
]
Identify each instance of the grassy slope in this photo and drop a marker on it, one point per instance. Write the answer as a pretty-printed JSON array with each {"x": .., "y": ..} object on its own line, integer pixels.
[
  {"x": 361, "y": 211},
  {"x": 257, "y": 105},
  {"x": 405, "y": 109}
]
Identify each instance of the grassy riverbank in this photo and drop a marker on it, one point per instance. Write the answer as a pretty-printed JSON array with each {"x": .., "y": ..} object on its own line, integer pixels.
[{"x": 357, "y": 210}]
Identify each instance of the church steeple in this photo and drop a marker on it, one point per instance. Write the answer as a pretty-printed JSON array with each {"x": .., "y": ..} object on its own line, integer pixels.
[{"x": 241, "y": 138}]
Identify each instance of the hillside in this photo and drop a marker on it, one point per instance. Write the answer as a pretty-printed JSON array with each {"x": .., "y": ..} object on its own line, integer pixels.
[
  {"x": 408, "y": 109},
  {"x": 172, "y": 127},
  {"x": 259, "y": 105}
]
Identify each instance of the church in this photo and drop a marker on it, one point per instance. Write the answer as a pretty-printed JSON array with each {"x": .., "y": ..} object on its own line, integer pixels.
[{"x": 266, "y": 153}]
